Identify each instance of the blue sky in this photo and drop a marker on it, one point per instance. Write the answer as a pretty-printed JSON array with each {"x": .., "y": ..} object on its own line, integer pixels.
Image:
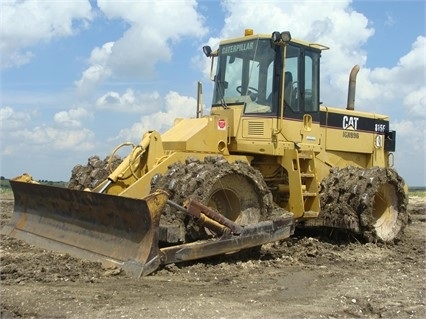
[{"x": 80, "y": 77}]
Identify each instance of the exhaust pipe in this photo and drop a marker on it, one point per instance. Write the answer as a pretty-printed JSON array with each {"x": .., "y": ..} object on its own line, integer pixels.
[
  {"x": 199, "y": 100},
  {"x": 351, "y": 89}
]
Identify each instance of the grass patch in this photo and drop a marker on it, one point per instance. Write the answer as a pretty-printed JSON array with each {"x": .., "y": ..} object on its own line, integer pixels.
[
  {"x": 6, "y": 194},
  {"x": 5, "y": 189},
  {"x": 417, "y": 193}
]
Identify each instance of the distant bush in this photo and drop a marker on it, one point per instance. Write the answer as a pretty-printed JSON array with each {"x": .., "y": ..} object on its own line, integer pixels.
[
  {"x": 4, "y": 183},
  {"x": 5, "y": 189}
]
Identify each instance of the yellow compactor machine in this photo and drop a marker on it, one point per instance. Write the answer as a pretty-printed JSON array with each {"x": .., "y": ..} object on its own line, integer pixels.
[{"x": 269, "y": 157}]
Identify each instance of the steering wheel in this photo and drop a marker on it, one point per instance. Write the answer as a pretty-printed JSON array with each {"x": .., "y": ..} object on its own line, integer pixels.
[{"x": 252, "y": 89}]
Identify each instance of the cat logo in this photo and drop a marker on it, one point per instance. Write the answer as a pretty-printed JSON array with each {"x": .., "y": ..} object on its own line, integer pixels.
[{"x": 350, "y": 123}]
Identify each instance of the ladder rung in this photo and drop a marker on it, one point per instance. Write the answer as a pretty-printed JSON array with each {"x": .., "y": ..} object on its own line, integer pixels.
[
  {"x": 305, "y": 156},
  {"x": 310, "y": 214},
  {"x": 309, "y": 194},
  {"x": 307, "y": 175}
]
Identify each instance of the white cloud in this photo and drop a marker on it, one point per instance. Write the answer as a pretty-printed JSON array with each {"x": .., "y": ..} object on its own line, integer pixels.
[
  {"x": 154, "y": 27},
  {"x": 390, "y": 20},
  {"x": 73, "y": 117},
  {"x": 406, "y": 73},
  {"x": 27, "y": 23},
  {"x": 172, "y": 107},
  {"x": 414, "y": 62},
  {"x": 9, "y": 119},
  {"x": 130, "y": 102},
  {"x": 64, "y": 133},
  {"x": 157, "y": 121},
  {"x": 415, "y": 103},
  {"x": 181, "y": 106},
  {"x": 50, "y": 138},
  {"x": 411, "y": 150},
  {"x": 389, "y": 89},
  {"x": 331, "y": 22},
  {"x": 412, "y": 132},
  {"x": 98, "y": 69}
]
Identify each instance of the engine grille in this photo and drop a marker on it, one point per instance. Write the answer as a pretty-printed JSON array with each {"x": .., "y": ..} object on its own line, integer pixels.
[{"x": 256, "y": 128}]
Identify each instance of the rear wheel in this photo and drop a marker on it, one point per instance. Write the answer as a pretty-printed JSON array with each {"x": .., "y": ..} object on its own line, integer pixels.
[
  {"x": 384, "y": 217},
  {"x": 236, "y": 190},
  {"x": 371, "y": 202}
]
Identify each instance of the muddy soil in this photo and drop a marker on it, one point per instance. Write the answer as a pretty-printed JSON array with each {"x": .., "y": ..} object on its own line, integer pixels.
[{"x": 306, "y": 276}]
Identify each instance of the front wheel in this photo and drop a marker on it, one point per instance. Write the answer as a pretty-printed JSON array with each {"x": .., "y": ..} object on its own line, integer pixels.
[{"x": 236, "y": 190}]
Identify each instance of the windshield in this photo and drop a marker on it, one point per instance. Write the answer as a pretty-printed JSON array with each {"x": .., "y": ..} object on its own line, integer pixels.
[
  {"x": 245, "y": 75},
  {"x": 251, "y": 73}
]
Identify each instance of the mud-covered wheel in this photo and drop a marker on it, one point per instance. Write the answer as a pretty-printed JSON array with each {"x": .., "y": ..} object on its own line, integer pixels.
[
  {"x": 236, "y": 190},
  {"x": 371, "y": 202},
  {"x": 384, "y": 217},
  {"x": 92, "y": 174},
  {"x": 235, "y": 197}
]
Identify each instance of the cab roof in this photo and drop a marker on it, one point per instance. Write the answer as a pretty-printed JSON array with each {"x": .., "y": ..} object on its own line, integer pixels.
[{"x": 268, "y": 36}]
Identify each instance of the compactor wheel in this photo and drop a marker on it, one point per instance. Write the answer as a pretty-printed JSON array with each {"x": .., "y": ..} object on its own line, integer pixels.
[
  {"x": 371, "y": 202},
  {"x": 384, "y": 217},
  {"x": 92, "y": 174},
  {"x": 236, "y": 190}
]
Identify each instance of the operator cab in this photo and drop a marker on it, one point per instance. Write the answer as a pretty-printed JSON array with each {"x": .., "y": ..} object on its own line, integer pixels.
[{"x": 268, "y": 75}]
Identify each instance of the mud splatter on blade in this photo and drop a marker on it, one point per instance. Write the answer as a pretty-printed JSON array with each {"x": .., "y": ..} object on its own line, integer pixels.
[{"x": 114, "y": 230}]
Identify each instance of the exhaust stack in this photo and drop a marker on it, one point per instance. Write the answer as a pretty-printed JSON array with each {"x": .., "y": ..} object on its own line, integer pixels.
[{"x": 351, "y": 88}]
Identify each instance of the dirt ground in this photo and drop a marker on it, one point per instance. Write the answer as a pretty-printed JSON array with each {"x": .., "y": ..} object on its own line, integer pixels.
[{"x": 306, "y": 276}]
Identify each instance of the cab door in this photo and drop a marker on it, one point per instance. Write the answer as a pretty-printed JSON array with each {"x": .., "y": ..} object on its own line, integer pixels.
[{"x": 301, "y": 95}]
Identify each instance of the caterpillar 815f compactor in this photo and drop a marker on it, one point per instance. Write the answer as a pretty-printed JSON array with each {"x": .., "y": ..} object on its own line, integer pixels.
[{"x": 269, "y": 157}]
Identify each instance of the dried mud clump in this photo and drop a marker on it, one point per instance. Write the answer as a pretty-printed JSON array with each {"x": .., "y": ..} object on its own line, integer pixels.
[{"x": 90, "y": 175}]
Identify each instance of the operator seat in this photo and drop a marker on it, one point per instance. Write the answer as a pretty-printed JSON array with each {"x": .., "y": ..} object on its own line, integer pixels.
[{"x": 288, "y": 88}]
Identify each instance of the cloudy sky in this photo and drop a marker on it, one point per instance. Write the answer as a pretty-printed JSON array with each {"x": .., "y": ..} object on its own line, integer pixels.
[{"x": 80, "y": 77}]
